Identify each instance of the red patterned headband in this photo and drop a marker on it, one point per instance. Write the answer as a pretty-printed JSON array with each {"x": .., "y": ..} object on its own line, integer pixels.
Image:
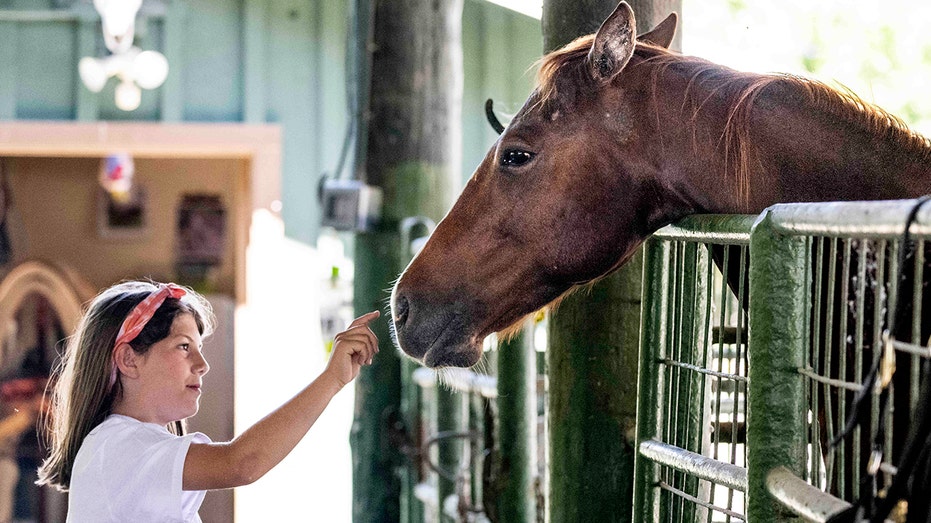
[{"x": 139, "y": 316}]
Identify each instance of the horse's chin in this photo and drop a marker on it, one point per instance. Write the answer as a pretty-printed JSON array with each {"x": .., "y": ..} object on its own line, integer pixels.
[{"x": 458, "y": 355}]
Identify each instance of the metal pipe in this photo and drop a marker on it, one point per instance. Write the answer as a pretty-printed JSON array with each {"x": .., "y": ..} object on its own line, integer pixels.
[
  {"x": 653, "y": 339},
  {"x": 710, "y": 228},
  {"x": 517, "y": 428},
  {"x": 876, "y": 219},
  {"x": 780, "y": 273},
  {"x": 718, "y": 472},
  {"x": 801, "y": 498}
]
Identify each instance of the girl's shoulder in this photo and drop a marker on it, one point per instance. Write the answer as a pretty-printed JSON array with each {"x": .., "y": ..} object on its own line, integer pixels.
[{"x": 121, "y": 427}]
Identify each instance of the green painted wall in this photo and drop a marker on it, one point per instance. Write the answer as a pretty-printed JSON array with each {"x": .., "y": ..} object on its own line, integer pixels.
[{"x": 276, "y": 61}]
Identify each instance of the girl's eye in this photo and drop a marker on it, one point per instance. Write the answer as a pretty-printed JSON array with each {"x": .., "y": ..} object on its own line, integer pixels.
[
  {"x": 515, "y": 158},
  {"x": 185, "y": 347}
]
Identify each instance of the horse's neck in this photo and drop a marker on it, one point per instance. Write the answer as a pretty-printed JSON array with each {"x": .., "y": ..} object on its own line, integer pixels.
[
  {"x": 818, "y": 154},
  {"x": 783, "y": 147}
]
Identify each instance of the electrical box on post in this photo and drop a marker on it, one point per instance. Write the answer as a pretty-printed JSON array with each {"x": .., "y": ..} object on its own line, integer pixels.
[{"x": 350, "y": 205}]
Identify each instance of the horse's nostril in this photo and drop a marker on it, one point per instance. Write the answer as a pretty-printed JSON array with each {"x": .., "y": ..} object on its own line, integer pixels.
[{"x": 401, "y": 308}]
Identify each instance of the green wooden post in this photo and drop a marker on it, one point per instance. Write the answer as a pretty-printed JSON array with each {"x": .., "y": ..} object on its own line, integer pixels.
[
  {"x": 780, "y": 281},
  {"x": 409, "y": 146},
  {"x": 591, "y": 355},
  {"x": 517, "y": 430},
  {"x": 449, "y": 419},
  {"x": 412, "y": 400},
  {"x": 594, "y": 339},
  {"x": 591, "y": 403}
]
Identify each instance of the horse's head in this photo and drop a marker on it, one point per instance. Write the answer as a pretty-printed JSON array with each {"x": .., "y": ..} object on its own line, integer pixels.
[{"x": 564, "y": 197}]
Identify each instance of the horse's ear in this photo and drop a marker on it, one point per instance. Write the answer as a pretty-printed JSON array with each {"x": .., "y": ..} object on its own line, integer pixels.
[
  {"x": 614, "y": 43},
  {"x": 663, "y": 33}
]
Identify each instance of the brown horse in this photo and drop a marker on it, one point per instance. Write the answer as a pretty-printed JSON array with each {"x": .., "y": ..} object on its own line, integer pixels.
[{"x": 620, "y": 138}]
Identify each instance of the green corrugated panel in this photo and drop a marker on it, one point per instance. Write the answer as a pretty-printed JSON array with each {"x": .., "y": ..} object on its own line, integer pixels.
[
  {"x": 255, "y": 26},
  {"x": 172, "y": 91},
  {"x": 8, "y": 47},
  {"x": 88, "y": 103}
]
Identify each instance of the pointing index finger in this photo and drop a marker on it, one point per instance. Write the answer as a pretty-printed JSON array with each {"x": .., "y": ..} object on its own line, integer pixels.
[{"x": 364, "y": 319}]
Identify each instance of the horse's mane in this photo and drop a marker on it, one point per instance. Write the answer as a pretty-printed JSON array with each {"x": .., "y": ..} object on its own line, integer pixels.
[
  {"x": 742, "y": 89},
  {"x": 551, "y": 65}
]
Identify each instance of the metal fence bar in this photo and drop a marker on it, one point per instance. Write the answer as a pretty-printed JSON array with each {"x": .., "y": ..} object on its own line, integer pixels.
[
  {"x": 803, "y": 499},
  {"x": 671, "y": 408},
  {"x": 699, "y": 502},
  {"x": 703, "y": 467},
  {"x": 829, "y": 340},
  {"x": 651, "y": 381},
  {"x": 916, "y": 318},
  {"x": 840, "y": 472},
  {"x": 779, "y": 329},
  {"x": 873, "y": 219},
  {"x": 711, "y": 441},
  {"x": 813, "y": 360},
  {"x": 517, "y": 448}
]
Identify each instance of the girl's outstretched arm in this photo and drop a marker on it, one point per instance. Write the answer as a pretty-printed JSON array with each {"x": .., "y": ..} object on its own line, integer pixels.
[{"x": 262, "y": 446}]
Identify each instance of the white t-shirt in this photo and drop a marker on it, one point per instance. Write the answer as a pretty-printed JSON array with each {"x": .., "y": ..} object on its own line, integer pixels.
[{"x": 127, "y": 470}]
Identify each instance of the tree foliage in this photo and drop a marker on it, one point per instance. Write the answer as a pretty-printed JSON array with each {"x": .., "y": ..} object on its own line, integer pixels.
[{"x": 882, "y": 52}]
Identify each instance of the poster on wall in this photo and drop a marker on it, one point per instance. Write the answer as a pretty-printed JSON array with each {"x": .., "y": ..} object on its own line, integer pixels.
[{"x": 201, "y": 235}]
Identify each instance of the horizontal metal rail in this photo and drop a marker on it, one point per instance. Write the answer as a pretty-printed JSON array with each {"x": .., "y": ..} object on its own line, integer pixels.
[
  {"x": 801, "y": 498},
  {"x": 462, "y": 380},
  {"x": 876, "y": 219},
  {"x": 720, "y": 473},
  {"x": 685, "y": 495},
  {"x": 702, "y": 370},
  {"x": 841, "y": 384},
  {"x": 710, "y": 228},
  {"x": 911, "y": 348},
  {"x": 908, "y": 348}
]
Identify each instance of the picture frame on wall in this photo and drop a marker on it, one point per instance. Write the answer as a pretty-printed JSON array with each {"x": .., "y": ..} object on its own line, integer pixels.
[{"x": 123, "y": 220}]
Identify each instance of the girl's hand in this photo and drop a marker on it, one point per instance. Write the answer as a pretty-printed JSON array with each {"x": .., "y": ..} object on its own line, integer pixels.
[{"x": 352, "y": 348}]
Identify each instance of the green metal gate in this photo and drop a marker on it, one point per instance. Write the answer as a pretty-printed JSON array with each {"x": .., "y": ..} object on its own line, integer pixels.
[
  {"x": 693, "y": 383},
  {"x": 848, "y": 284},
  {"x": 718, "y": 418}
]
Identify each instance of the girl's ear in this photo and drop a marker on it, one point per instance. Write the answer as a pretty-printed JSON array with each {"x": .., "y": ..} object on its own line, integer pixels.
[{"x": 127, "y": 361}]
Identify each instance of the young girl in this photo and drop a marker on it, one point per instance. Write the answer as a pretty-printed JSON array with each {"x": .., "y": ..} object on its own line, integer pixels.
[{"x": 131, "y": 375}]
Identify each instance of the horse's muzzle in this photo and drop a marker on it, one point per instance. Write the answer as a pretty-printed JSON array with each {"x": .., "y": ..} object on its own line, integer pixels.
[{"x": 433, "y": 336}]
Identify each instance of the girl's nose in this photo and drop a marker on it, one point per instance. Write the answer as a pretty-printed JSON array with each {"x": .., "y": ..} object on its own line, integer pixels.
[{"x": 201, "y": 366}]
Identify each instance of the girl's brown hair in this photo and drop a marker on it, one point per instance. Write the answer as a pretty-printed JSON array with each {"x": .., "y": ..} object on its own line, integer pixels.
[{"x": 81, "y": 397}]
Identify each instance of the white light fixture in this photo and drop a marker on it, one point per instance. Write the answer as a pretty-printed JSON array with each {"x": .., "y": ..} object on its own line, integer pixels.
[
  {"x": 134, "y": 67},
  {"x": 128, "y": 95}
]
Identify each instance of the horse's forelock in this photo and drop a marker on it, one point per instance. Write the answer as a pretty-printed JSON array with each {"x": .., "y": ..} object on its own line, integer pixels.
[
  {"x": 562, "y": 72},
  {"x": 572, "y": 55}
]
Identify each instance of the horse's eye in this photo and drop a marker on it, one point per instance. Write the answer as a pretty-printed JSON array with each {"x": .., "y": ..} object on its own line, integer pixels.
[{"x": 515, "y": 158}]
